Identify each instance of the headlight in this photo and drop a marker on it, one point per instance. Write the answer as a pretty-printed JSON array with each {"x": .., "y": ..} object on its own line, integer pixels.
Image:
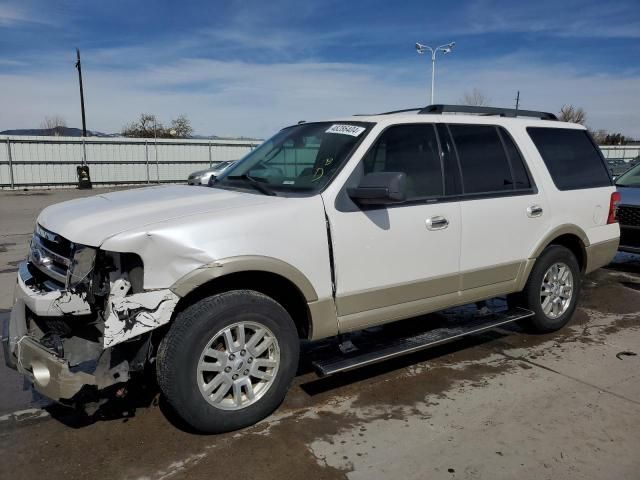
[{"x": 82, "y": 264}]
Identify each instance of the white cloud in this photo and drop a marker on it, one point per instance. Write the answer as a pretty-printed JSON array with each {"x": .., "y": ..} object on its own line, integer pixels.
[
  {"x": 14, "y": 13},
  {"x": 576, "y": 18},
  {"x": 11, "y": 14},
  {"x": 238, "y": 98}
]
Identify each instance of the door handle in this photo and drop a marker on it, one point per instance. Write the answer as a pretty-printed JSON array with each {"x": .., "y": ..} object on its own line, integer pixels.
[
  {"x": 437, "y": 223},
  {"x": 534, "y": 211}
]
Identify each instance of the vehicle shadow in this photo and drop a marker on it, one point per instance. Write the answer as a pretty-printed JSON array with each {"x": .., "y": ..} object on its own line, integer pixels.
[
  {"x": 403, "y": 328},
  {"x": 140, "y": 395},
  {"x": 625, "y": 263},
  {"x": 146, "y": 394}
]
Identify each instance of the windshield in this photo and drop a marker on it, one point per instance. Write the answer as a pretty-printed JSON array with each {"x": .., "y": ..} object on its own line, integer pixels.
[
  {"x": 300, "y": 158},
  {"x": 631, "y": 178}
]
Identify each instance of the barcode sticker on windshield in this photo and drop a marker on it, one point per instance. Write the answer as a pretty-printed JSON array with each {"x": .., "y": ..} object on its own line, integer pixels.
[{"x": 352, "y": 130}]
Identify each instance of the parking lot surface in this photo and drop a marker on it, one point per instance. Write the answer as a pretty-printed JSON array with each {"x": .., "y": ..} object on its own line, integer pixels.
[{"x": 505, "y": 404}]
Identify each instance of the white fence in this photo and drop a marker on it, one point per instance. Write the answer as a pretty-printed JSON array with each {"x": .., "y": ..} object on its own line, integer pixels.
[
  {"x": 52, "y": 161},
  {"x": 621, "y": 158}
]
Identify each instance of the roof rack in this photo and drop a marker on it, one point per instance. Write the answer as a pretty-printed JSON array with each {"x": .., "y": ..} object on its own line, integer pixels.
[
  {"x": 404, "y": 110},
  {"x": 503, "y": 112}
]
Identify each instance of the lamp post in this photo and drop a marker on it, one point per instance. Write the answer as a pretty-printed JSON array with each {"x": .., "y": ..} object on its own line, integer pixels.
[{"x": 442, "y": 48}]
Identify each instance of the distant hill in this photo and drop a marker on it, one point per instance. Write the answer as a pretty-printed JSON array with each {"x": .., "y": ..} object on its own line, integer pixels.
[{"x": 65, "y": 132}]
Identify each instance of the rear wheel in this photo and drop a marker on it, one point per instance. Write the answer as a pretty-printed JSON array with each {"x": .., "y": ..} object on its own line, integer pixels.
[
  {"x": 227, "y": 361},
  {"x": 552, "y": 289}
]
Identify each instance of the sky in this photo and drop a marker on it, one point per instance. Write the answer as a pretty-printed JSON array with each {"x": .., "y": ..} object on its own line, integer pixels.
[{"x": 249, "y": 68}]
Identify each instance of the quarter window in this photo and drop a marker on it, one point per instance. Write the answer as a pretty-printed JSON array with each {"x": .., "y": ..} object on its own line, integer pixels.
[
  {"x": 571, "y": 158},
  {"x": 413, "y": 150},
  {"x": 484, "y": 164}
]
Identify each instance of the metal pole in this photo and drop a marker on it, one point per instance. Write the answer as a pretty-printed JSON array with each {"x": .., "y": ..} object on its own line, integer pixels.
[
  {"x": 11, "y": 181},
  {"x": 79, "y": 67},
  {"x": 517, "y": 101},
  {"x": 146, "y": 157},
  {"x": 433, "y": 74},
  {"x": 84, "y": 152},
  {"x": 155, "y": 138},
  {"x": 210, "y": 160}
]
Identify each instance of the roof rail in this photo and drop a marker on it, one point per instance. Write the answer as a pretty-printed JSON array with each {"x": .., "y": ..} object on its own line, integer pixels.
[
  {"x": 503, "y": 112},
  {"x": 389, "y": 113}
]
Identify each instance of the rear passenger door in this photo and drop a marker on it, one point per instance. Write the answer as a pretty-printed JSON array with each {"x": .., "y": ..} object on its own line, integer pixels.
[{"x": 503, "y": 214}]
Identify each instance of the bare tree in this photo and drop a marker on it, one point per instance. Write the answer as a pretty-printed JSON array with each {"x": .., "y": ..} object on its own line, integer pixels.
[
  {"x": 599, "y": 136},
  {"x": 181, "y": 126},
  {"x": 54, "y": 125},
  {"x": 148, "y": 126},
  {"x": 573, "y": 114},
  {"x": 476, "y": 98}
]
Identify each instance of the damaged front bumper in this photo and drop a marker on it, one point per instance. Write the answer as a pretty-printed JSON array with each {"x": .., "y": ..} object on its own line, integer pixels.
[
  {"x": 67, "y": 347},
  {"x": 53, "y": 377}
]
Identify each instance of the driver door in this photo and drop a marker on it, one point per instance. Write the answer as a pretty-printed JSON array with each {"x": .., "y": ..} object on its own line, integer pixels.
[{"x": 397, "y": 261}]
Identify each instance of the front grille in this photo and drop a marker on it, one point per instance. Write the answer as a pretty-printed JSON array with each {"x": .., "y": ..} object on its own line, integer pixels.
[
  {"x": 629, "y": 237},
  {"x": 54, "y": 242},
  {"x": 50, "y": 257},
  {"x": 629, "y": 215}
]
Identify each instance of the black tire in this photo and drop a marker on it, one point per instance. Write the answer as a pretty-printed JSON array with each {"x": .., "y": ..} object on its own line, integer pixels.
[
  {"x": 530, "y": 296},
  {"x": 180, "y": 350}
]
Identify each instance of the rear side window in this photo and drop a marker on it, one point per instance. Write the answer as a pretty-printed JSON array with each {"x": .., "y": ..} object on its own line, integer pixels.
[
  {"x": 571, "y": 158},
  {"x": 484, "y": 163}
]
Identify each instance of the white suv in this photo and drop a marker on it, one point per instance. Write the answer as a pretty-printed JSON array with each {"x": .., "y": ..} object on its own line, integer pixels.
[{"x": 326, "y": 228}]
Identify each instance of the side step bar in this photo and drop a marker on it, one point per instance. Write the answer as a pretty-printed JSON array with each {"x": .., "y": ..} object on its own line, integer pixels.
[{"x": 361, "y": 357}]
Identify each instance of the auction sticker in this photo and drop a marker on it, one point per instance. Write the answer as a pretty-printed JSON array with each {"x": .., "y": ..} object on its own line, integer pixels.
[{"x": 352, "y": 130}]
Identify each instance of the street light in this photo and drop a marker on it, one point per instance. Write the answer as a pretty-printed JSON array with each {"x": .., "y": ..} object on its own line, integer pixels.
[{"x": 442, "y": 48}]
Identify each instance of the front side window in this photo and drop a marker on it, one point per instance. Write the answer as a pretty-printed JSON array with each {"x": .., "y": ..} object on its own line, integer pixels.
[
  {"x": 413, "y": 150},
  {"x": 302, "y": 158},
  {"x": 483, "y": 161},
  {"x": 571, "y": 157}
]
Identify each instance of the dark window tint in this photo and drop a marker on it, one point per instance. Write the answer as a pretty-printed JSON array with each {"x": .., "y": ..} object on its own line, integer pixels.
[
  {"x": 571, "y": 158},
  {"x": 412, "y": 149},
  {"x": 484, "y": 164},
  {"x": 449, "y": 162},
  {"x": 520, "y": 175}
]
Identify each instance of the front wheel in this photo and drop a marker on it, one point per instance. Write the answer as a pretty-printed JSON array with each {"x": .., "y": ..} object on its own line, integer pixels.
[
  {"x": 552, "y": 289},
  {"x": 227, "y": 361}
]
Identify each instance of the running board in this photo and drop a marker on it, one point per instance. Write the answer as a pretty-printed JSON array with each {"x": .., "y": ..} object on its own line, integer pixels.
[{"x": 360, "y": 357}]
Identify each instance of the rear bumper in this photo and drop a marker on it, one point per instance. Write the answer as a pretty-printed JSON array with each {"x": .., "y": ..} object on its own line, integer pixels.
[{"x": 601, "y": 254}]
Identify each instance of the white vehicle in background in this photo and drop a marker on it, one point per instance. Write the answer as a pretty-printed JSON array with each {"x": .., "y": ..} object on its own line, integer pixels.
[
  {"x": 327, "y": 228},
  {"x": 205, "y": 177}
]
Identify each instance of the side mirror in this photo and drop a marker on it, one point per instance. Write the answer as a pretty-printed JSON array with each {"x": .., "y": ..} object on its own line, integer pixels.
[{"x": 380, "y": 188}]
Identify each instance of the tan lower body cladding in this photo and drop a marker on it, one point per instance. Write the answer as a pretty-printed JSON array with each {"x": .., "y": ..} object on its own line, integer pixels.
[{"x": 377, "y": 306}]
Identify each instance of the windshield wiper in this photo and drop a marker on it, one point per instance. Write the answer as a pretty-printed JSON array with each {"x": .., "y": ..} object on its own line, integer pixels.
[{"x": 256, "y": 184}]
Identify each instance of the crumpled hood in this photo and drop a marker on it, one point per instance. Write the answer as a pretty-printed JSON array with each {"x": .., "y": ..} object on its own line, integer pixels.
[{"x": 90, "y": 221}]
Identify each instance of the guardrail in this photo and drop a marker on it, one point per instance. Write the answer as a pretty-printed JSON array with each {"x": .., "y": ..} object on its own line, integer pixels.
[{"x": 51, "y": 161}]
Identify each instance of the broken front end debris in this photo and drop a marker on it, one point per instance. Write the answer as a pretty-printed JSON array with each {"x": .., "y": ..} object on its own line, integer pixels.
[{"x": 82, "y": 322}]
